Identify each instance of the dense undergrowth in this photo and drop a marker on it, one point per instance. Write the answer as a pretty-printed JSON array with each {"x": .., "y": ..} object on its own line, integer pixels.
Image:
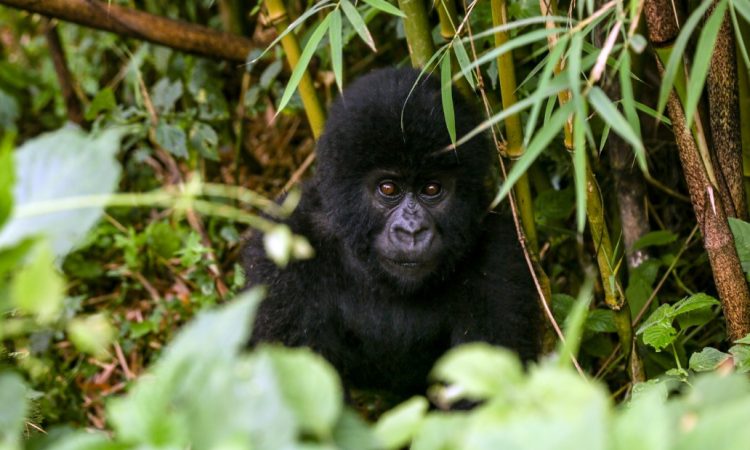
[{"x": 117, "y": 232}]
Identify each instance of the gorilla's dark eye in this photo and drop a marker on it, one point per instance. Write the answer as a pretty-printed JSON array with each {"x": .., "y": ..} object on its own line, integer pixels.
[
  {"x": 431, "y": 189},
  {"x": 388, "y": 188}
]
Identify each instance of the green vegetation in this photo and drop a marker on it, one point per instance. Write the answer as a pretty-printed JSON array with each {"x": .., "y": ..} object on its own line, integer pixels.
[{"x": 130, "y": 173}]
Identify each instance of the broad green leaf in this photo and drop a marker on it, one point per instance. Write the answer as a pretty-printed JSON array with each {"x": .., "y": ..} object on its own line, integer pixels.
[
  {"x": 172, "y": 138},
  {"x": 38, "y": 288},
  {"x": 693, "y": 303},
  {"x": 707, "y": 359},
  {"x": 538, "y": 144},
  {"x": 304, "y": 60},
  {"x": 358, "y": 23},
  {"x": 478, "y": 370},
  {"x": 441, "y": 432},
  {"x": 165, "y": 94},
  {"x": 7, "y": 177},
  {"x": 741, "y": 231},
  {"x": 663, "y": 315},
  {"x": 204, "y": 139},
  {"x": 396, "y": 427},
  {"x": 601, "y": 321},
  {"x": 13, "y": 393},
  {"x": 744, "y": 340},
  {"x": 334, "y": 37},
  {"x": 702, "y": 59},
  {"x": 314, "y": 398},
  {"x": 655, "y": 238},
  {"x": 741, "y": 354},
  {"x": 446, "y": 95},
  {"x": 659, "y": 336},
  {"x": 386, "y": 7},
  {"x": 55, "y": 166},
  {"x": 463, "y": 61},
  {"x": 643, "y": 423},
  {"x": 675, "y": 62},
  {"x": 609, "y": 113},
  {"x": 92, "y": 334},
  {"x": 104, "y": 100}
]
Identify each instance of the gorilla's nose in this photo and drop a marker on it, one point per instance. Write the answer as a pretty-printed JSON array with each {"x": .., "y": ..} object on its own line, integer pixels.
[{"x": 410, "y": 234}]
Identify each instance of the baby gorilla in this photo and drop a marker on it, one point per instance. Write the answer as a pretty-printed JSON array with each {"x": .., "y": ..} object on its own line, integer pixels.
[{"x": 408, "y": 260}]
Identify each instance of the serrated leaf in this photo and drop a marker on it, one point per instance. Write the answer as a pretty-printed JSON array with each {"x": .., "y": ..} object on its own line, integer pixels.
[
  {"x": 702, "y": 60},
  {"x": 707, "y": 359},
  {"x": 609, "y": 113},
  {"x": 304, "y": 60},
  {"x": 655, "y": 238},
  {"x": 659, "y": 336},
  {"x": 172, "y": 138},
  {"x": 694, "y": 302},
  {"x": 446, "y": 95},
  {"x": 358, "y": 23},
  {"x": 335, "y": 39},
  {"x": 55, "y": 166},
  {"x": 386, "y": 7},
  {"x": 396, "y": 427}
]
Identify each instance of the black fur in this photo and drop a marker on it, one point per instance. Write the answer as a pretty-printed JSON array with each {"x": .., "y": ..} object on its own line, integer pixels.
[{"x": 378, "y": 330}]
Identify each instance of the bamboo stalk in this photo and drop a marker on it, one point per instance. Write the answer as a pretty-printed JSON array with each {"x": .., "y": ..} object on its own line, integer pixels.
[
  {"x": 614, "y": 297},
  {"x": 313, "y": 108},
  {"x": 699, "y": 175},
  {"x": 417, "y": 29}
]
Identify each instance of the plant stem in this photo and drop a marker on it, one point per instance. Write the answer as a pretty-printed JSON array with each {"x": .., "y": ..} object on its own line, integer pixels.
[{"x": 417, "y": 29}]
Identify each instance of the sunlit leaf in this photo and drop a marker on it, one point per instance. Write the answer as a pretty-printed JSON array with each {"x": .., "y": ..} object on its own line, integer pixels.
[
  {"x": 358, "y": 23},
  {"x": 397, "y": 426},
  {"x": 304, "y": 60},
  {"x": 38, "y": 288},
  {"x": 702, "y": 60},
  {"x": 386, "y": 7},
  {"x": 707, "y": 359},
  {"x": 92, "y": 334},
  {"x": 463, "y": 61},
  {"x": 579, "y": 168},
  {"x": 334, "y": 33},
  {"x": 446, "y": 94}
]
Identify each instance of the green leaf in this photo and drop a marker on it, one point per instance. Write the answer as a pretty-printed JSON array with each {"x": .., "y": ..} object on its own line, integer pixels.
[
  {"x": 609, "y": 113},
  {"x": 396, "y": 427},
  {"x": 104, "y": 100},
  {"x": 601, "y": 321},
  {"x": 628, "y": 97},
  {"x": 544, "y": 81},
  {"x": 55, "y": 166},
  {"x": 358, "y": 23},
  {"x": 314, "y": 398},
  {"x": 7, "y": 177},
  {"x": 446, "y": 95},
  {"x": 386, "y": 7},
  {"x": 13, "y": 412},
  {"x": 693, "y": 303},
  {"x": 707, "y": 359},
  {"x": 655, "y": 238},
  {"x": 334, "y": 36},
  {"x": 702, "y": 59},
  {"x": 304, "y": 60},
  {"x": 659, "y": 336},
  {"x": 574, "y": 324},
  {"x": 741, "y": 354},
  {"x": 478, "y": 370},
  {"x": 675, "y": 62},
  {"x": 204, "y": 139},
  {"x": 744, "y": 340},
  {"x": 463, "y": 61},
  {"x": 579, "y": 166},
  {"x": 92, "y": 334},
  {"x": 165, "y": 94},
  {"x": 38, "y": 288},
  {"x": 172, "y": 138},
  {"x": 538, "y": 144},
  {"x": 741, "y": 231}
]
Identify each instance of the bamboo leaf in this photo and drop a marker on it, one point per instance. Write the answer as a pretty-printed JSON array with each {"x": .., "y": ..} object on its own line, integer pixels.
[
  {"x": 540, "y": 142},
  {"x": 446, "y": 94},
  {"x": 579, "y": 166},
  {"x": 335, "y": 38},
  {"x": 463, "y": 61},
  {"x": 304, "y": 60},
  {"x": 292, "y": 26},
  {"x": 628, "y": 97},
  {"x": 675, "y": 58},
  {"x": 742, "y": 7},
  {"x": 702, "y": 59},
  {"x": 386, "y": 7},
  {"x": 609, "y": 113},
  {"x": 358, "y": 23},
  {"x": 518, "y": 24},
  {"x": 738, "y": 32},
  {"x": 544, "y": 80}
]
